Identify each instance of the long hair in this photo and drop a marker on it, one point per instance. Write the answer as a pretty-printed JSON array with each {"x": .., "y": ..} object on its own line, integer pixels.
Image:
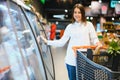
[{"x": 79, "y": 6}]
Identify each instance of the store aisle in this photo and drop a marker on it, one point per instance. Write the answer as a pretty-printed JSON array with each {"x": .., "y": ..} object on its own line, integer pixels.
[{"x": 60, "y": 68}]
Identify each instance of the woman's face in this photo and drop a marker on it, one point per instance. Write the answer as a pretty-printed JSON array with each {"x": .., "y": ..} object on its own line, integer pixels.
[{"x": 77, "y": 15}]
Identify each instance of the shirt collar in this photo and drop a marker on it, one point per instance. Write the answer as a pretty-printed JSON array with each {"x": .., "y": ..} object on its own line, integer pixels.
[{"x": 78, "y": 23}]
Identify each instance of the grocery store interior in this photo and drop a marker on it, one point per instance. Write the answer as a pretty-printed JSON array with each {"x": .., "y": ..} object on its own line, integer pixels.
[{"x": 25, "y": 56}]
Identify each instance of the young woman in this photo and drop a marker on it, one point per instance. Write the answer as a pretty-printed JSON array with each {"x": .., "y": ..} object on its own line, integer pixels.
[{"x": 79, "y": 33}]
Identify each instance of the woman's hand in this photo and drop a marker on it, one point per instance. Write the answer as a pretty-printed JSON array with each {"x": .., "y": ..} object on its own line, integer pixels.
[
  {"x": 97, "y": 49},
  {"x": 44, "y": 39}
]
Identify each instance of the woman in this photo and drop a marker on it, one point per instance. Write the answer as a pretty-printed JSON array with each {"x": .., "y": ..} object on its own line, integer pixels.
[{"x": 79, "y": 33}]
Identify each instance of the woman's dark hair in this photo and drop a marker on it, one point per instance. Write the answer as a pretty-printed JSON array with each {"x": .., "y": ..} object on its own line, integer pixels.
[{"x": 79, "y": 6}]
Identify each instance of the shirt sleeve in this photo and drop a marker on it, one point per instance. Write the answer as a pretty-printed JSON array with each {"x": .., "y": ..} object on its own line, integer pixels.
[
  {"x": 93, "y": 35},
  {"x": 61, "y": 42}
]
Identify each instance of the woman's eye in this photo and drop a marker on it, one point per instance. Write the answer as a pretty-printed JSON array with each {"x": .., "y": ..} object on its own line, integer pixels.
[{"x": 77, "y": 12}]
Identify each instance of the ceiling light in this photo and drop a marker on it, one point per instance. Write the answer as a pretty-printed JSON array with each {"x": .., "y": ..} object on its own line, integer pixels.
[
  {"x": 59, "y": 16},
  {"x": 66, "y": 10},
  {"x": 113, "y": 19},
  {"x": 91, "y": 18},
  {"x": 87, "y": 17}
]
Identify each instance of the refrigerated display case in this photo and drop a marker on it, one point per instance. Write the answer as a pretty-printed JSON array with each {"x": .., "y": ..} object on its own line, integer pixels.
[
  {"x": 38, "y": 30},
  {"x": 21, "y": 57}
]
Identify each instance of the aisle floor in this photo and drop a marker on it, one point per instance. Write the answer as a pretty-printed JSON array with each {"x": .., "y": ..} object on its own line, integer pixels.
[{"x": 60, "y": 67}]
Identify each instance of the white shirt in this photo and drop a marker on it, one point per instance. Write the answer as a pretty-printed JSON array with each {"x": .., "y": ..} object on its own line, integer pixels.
[{"x": 78, "y": 34}]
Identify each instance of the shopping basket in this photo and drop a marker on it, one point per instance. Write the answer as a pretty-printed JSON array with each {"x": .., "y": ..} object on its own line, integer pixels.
[{"x": 86, "y": 69}]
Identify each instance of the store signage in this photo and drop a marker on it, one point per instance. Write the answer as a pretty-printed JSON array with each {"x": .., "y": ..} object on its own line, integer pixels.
[
  {"x": 113, "y": 3},
  {"x": 104, "y": 8},
  {"x": 42, "y": 1},
  {"x": 117, "y": 8}
]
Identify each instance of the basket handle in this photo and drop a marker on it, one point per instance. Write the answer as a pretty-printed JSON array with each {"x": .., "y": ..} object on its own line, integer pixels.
[{"x": 86, "y": 47}]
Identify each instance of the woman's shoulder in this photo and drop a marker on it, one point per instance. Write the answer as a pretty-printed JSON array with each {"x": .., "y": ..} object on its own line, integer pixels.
[
  {"x": 88, "y": 22},
  {"x": 69, "y": 25}
]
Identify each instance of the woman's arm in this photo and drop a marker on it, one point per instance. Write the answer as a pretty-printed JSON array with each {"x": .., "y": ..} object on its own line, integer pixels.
[
  {"x": 93, "y": 35},
  {"x": 61, "y": 42}
]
